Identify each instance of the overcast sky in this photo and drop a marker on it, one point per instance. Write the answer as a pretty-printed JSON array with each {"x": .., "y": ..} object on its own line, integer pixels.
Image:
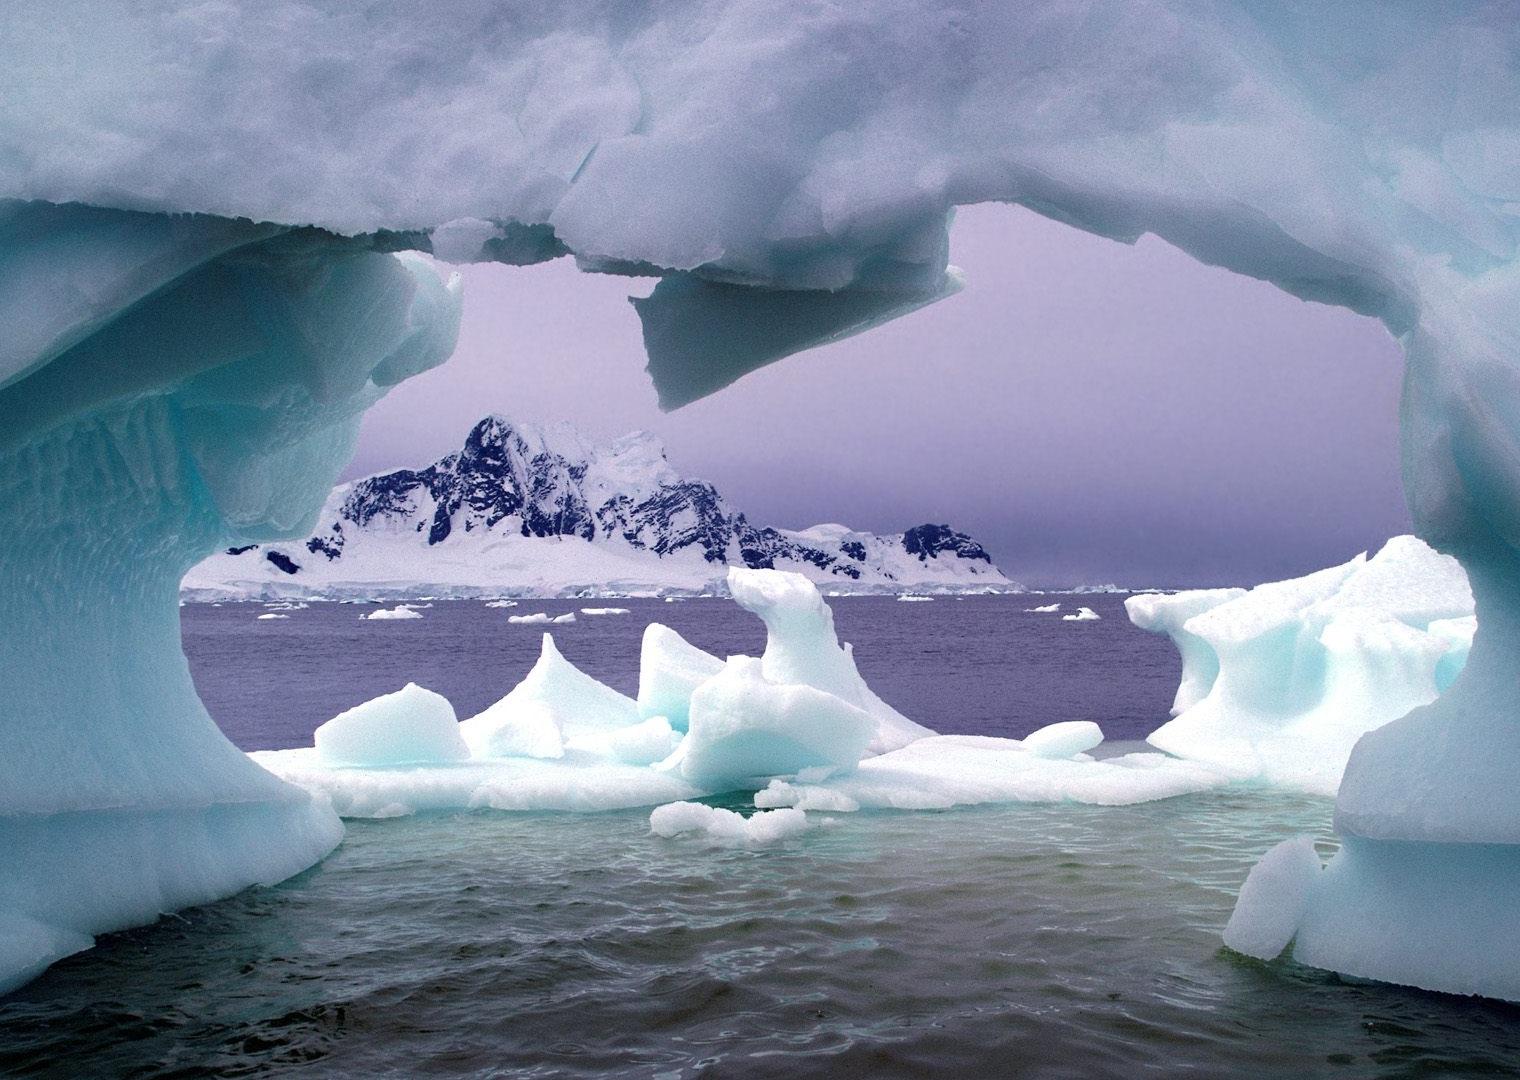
[{"x": 1089, "y": 410}]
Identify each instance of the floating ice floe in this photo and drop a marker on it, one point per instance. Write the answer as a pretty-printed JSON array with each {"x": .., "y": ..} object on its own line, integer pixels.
[
  {"x": 1043, "y": 609},
  {"x": 271, "y": 615},
  {"x": 542, "y": 618},
  {"x": 1082, "y": 614},
  {"x": 1278, "y": 683},
  {"x": 501, "y": 603},
  {"x": 606, "y": 611},
  {"x": 399, "y": 612},
  {"x": 913, "y": 598},
  {"x": 797, "y": 725},
  {"x": 726, "y": 827}
]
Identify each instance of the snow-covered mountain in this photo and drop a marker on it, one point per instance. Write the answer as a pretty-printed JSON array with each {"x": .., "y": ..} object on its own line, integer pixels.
[{"x": 522, "y": 510}]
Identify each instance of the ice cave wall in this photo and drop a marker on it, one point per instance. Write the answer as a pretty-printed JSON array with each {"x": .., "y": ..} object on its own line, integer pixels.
[{"x": 764, "y": 157}]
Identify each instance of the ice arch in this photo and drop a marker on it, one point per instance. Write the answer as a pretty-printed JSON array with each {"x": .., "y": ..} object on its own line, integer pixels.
[{"x": 787, "y": 167}]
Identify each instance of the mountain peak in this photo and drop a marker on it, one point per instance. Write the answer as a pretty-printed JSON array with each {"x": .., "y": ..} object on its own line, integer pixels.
[{"x": 478, "y": 519}]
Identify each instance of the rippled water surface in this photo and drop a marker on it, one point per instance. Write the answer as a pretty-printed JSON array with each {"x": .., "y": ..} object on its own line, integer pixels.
[{"x": 1018, "y": 941}]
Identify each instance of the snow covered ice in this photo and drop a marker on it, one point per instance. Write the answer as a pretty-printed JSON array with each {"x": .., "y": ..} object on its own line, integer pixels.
[
  {"x": 1279, "y": 682},
  {"x": 201, "y": 299},
  {"x": 1082, "y": 614}
]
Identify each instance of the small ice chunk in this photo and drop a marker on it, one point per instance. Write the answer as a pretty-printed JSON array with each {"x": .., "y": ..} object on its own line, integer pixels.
[
  {"x": 1082, "y": 614},
  {"x": 1043, "y": 609},
  {"x": 605, "y": 611},
  {"x": 745, "y": 728},
  {"x": 1273, "y": 900},
  {"x": 644, "y": 743},
  {"x": 725, "y": 827},
  {"x": 555, "y": 695},
  {"x": 1063, "y": 740},
  {"x": 411, "y": 726},
  {"x": 272, "y": 615},
  {"x": 670, "y": 670},
  {"x": 913, "y": 598},
  {"x": 541, "y": 618},
  {"x": 501, "y": 603},
  {"x": 399, "y": 612}
]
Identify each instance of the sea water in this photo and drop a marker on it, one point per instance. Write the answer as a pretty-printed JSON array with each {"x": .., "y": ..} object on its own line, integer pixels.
[{"x": 1012, "y": 941}]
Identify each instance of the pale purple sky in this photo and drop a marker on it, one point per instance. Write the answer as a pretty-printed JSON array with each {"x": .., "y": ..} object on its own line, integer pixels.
[{"x": 1089, "y": 410}]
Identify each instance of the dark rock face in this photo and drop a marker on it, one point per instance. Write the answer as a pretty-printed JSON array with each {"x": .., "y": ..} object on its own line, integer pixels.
[
  {"x": 506, "y": 478},
  {"x": 929, "y": 541}
]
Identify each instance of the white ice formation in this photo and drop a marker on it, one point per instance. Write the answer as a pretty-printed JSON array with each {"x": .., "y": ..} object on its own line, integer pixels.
[
  {"x": 401, "y": 613},
  {"x": 798, "y": 726},
  {"x": 411, "y": 726},
  {"x": 557, "y": 705},
  {"x": 727, "y": 828},
  {"x": 201, "y": 296},
  {"x": 1279, "y": 683},
  {"x": 1082, "y": 614}
]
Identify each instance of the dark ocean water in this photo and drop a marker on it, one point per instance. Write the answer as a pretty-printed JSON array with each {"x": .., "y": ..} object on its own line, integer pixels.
[{"x": 1010, "y": 941}]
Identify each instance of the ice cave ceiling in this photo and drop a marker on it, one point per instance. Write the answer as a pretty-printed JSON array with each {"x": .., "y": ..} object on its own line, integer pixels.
[{"x": 787, "y": 167}]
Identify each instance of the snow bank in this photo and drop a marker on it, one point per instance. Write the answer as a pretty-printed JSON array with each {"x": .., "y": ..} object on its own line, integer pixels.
[{"x": 725, "y": 827}]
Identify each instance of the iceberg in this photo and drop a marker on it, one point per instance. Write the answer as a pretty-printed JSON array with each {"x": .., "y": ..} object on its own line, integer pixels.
[
  {"x": 560, "y": 740},
  {"x": 1082, "y": 614},
  {"x": 401, "y": 612},
  {"x": 1278, "y": 683},
  {"x": 745, "y": 727},
  {"x": 202, "y": 295},
  {"x": 670, "y": 670},
  {"x": 412, "y": 726},
  {"x": 556, "y": 706},
  {"x": 801, "y": 648},
  {"x": 1043, "y": 609}
]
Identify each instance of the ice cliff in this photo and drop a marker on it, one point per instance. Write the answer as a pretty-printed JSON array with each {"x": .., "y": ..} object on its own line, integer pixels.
[
  {"x": 531, "y": 511},
  {"x": 199, "y": 297}
]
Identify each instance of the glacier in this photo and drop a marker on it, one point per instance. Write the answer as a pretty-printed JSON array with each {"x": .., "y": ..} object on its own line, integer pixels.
[
  {"x": 1279, "y": 682},
  {"x": 202, "y": 213}
]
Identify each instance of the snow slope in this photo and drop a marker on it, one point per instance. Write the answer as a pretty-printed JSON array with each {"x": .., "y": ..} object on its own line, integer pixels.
[{"x": 527, "y": 511}]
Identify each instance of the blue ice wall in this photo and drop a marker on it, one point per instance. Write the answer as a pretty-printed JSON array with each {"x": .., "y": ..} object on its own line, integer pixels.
[{"x": 213, "y": 405}]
